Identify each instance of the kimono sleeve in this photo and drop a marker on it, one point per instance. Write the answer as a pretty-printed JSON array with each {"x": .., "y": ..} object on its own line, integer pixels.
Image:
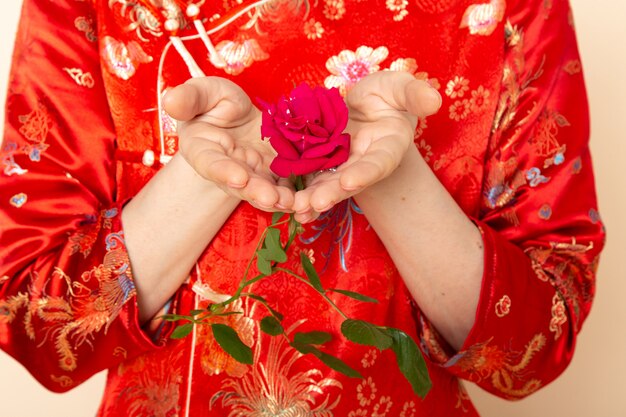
[
  {"x": 67, "y": 298},
  {"x": 540, "y": 225}
]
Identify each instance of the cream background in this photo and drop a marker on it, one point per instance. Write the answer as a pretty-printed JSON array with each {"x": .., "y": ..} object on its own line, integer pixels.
[{"x": 595, "y": 383}]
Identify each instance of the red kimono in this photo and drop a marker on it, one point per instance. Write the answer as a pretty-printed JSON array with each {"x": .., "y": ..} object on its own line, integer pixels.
[{"x": 85, "y": 130}]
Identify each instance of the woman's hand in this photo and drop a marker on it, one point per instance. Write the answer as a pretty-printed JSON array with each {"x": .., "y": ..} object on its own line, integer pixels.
[
  {"x": 384, "y": 108},
  {"x": 219, "y": 136}
]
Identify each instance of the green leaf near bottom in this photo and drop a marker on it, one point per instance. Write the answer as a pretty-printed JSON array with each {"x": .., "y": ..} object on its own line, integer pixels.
[
  {"x": 365, "y": 333},
  {"x": 271, "y": 326},
  {"x": 328, "y": 360},
  {"x": 410, "y": 361},
  {"x": 229, "y": 340},
  {"x": 182, "y": 331}
]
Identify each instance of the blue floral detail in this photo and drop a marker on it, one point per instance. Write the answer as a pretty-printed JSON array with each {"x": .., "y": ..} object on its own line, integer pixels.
[
  {"x": 113, "y": 240},
  {"x": 35, "y": 155},
  {"x": 545, "y": 212},
  {"x": 10, "y": 166},
  {"x": 499, "y": 195},
  {"x": 535, "y": 177},
  {"x": 18, "y": 200},
  {"x": 110, "y": 213},
  {"x": 559, "y": 158},
  {"x": 594, "y": 216},
  {"x": 338, "y": 222}
]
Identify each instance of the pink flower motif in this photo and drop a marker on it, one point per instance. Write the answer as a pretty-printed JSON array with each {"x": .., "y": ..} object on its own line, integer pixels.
[
  {"x": 349, "y": 67},
  {"x": 123, "y": 59},
  {"x": 238, "y": 55}
]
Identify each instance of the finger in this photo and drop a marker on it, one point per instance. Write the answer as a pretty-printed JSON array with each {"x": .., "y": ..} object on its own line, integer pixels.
[
  {"x": 399, "y": 90},
  {"x": 381, "y": 158},
  {"x": 219, "y": 97}
]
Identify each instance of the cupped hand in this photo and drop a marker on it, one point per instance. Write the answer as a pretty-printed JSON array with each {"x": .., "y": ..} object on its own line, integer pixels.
[
  {"x": 219, "y": 136},
  {"x": 384, "y": 109}
]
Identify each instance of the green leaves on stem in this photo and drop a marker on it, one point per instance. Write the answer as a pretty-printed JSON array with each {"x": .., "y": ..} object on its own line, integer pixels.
[{"x": 271, "y": 252}]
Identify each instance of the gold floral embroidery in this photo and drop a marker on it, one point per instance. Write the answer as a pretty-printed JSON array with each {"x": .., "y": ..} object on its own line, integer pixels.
[
  {"x": 366, "y": 391},
  {"x": 84, "y": 79},
  {"x": 382, "y": 407},
  {"x": 85, "y": 24},
  {"x": 559, "y": 318},
  {"x": 369, "y": 359},
  {"x": 144, "y": 21},
  {"x": 313, "y": 29},
  {"x": 482, "y": 19},
  {"x": 334, "y": 9},
  {"x": 36, "y": 124},
  {"x": 572, "y": 67},
  {"x": 462, "y": 398},
  {"x": 479, "y": 100},
  {"x": 424, "y": 148},
  {"x": 350, "y": 66},
  {"x": 152, "y": 385},
  {"x": 398, "y": 7},
  {"x": 544, "y": 137},
  {"x": 238, "y": 55},
  {"x": 408, "y": 409},
  {"x": 503, "y": 306},
  {"x": 503, "y": 368},
  {"x": 460, "y": 109},
  {"x": 271, "y": 388},
  {"x": 122, "y": 60},
  {"x": 457, "y": 87},
  {"x": 18, "y": 200}
]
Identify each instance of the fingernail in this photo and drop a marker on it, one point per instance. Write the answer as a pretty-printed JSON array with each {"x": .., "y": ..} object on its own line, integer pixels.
[{"x": 435, "y": 99}]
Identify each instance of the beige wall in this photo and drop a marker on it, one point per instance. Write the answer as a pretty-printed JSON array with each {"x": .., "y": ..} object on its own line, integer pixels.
[{"x": 595, "y": 384}]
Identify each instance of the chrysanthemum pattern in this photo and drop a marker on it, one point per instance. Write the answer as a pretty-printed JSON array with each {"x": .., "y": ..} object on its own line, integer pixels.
[
  {"x": 348, "y": 67},
  {"x": 313, "y": 29},
  {"x": 334, "y": 9}
]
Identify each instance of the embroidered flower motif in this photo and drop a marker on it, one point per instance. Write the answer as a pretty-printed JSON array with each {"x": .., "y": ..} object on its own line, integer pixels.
[
  {"x": 460, "y": 109},
  {"x": 399, "y": 8},
  {"x": 383, "y": 407},
  {"x": 457, "y": 87},
  {"x": 482, "y": 19},
  {"x": 313, "y": 29},
  {"x": 123, "y": 60},
  {"x": 545, "y": 212},
  {"x": 358, "y": 413},
  {"x": 350, "y": 66},
  {"x": 480, "y": 99},
  {"x": 408, "y": 409},
  {"x": 425, "y": 149},
  {"x": 369, "y": 358},
  {"x": 238, "y": 55},
  {"x": 366, "y": 392},
  {"x": 503, "y": 306},
  {"x": 334, "y": 9}
]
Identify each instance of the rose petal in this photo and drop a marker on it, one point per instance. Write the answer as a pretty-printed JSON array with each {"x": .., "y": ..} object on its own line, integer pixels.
[
  {"x": 337, "y": 158},
  {"x": 343, "y": 141}
]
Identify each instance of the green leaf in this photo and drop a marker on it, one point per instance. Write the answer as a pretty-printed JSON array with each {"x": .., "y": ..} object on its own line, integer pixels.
[
  {"x": 273, "y": 249},
  {"x": 271, "y": 326},
  {"x": 277, "y": 216},
  {"x": 411, "y": 362},
  {"x": 197, "y": 312},
  {"x": 355, "y": 295},
  {"x": 330, "y": 361},
  {"x": 339, "y": 365},
  {"x": 262, "y": 263},
  {"x": 229, "y": 340},
  {"x": 182, "y": 331},
  {"x": 313, "y": 338},
  {"x": 175, "y": 317},
  {"x": 311, "y": 273},
  {"x": 364, "y": 333}
]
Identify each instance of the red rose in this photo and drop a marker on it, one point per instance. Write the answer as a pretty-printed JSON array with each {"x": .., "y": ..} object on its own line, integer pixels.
[{"x": 306, "y": 131}]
